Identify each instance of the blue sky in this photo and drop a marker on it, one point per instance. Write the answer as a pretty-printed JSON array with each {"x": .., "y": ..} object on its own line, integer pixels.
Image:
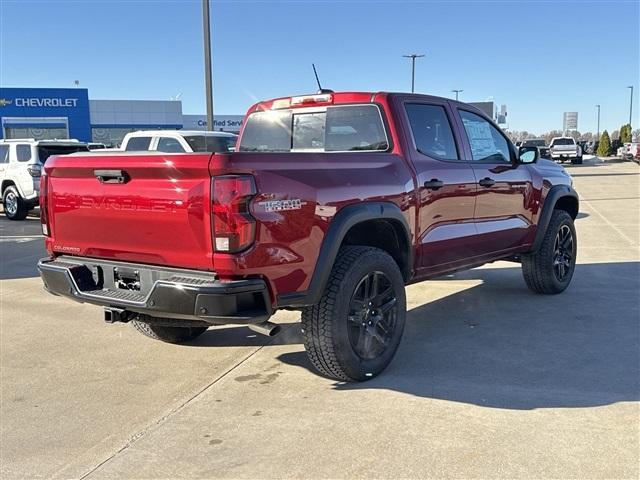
[{"x": 540, "y": 58}]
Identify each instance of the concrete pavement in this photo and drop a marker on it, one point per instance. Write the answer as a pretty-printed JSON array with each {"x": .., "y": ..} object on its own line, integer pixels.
[{"x": 490, "y": 381}]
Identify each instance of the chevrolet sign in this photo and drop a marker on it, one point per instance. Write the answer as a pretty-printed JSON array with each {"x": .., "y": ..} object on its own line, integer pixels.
[
  {"x": 46, "y": 102},
  {"x": 4, "y": 102}
]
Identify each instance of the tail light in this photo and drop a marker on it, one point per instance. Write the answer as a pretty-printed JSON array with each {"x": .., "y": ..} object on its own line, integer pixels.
[
  {"x": 234, "y": 229},
  {"x": 34, "y": 170},
  {"x": 44, "y": 207}
]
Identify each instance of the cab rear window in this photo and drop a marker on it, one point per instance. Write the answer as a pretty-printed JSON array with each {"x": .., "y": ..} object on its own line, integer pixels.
[
  {"x": 332, "y": 129},
  {"x": 563, "y": 141}
]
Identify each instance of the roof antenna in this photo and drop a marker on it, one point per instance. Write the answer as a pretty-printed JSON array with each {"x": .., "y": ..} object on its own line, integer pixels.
[{"x": 320, "y": 89}]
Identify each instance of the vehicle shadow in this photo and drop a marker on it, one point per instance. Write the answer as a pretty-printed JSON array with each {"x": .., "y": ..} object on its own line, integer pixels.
[
  {"x": 242, "y": 336},
  {"x": 498, "y": 345}
]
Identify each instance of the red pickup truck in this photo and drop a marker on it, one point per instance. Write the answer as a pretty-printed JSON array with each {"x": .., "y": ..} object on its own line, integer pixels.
[{"x": 331, "y": 204}]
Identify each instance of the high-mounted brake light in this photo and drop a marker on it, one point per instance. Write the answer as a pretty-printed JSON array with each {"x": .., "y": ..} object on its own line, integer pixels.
[
  {"x": 312, "y": 99},
  {"x": 234, "y": 229}
]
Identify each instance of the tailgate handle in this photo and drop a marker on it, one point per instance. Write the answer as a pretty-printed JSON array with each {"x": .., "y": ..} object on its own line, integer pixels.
[{"x": 111, "y": 176}]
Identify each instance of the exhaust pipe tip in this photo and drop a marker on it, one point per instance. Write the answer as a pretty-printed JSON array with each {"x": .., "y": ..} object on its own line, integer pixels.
[{"x": 267, "y": 328}]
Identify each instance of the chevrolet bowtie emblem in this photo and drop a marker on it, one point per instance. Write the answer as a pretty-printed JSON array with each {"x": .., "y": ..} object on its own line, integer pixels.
[{"x": 4, "y": 102}]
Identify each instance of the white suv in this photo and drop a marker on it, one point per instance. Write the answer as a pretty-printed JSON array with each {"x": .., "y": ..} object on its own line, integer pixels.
[
  {"x": 21, "y": 163},
  {"x": 179, "y": 141}
]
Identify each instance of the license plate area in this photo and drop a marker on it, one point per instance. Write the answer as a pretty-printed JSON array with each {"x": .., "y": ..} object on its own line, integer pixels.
[{"x": 126, "y": 279}]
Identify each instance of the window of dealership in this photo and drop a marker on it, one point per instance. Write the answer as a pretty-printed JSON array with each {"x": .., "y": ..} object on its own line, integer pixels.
[{"x": 48, "y": 113}]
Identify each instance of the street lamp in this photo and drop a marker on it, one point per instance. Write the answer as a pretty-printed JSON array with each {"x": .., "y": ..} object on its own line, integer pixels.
[
  {"x": 207, "y": 63},
  {"x": 457, "y": 92},
  {"x": 413, "y": 57},
  {"x": 630, "y": 103},
  {"x": 598, "y": 134}
]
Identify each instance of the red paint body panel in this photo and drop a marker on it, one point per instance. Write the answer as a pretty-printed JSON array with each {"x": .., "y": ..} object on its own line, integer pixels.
[{"x": 162, "y": 214}]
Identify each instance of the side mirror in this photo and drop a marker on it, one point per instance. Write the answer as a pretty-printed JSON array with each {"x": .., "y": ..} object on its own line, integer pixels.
[{"x": 528, "y": 155}]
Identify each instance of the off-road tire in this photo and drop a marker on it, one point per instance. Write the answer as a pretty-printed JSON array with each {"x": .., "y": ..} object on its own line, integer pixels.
[
  {"x": 537, "y": 268},
  {"x": 325, "y": 327},
  {"x": 21, "y": 208},
  {"x": 168, "y": 334}
]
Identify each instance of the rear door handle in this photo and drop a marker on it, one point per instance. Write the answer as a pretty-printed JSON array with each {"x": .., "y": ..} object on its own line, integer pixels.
[
  {"x": 434, "y": 184},
  {"x": 111, "y": 176},
  {"x": 487, "y": 182}
]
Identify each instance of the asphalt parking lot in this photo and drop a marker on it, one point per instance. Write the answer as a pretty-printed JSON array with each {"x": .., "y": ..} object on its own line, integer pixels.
[{"x": 490, "y": 381}]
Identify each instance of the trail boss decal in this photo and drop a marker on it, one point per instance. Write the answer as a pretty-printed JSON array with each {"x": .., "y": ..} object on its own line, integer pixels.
[{"x": 281, "y": 205}]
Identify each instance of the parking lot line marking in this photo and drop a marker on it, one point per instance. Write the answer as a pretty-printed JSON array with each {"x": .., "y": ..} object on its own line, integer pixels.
[{"x": 620, "y": 232}]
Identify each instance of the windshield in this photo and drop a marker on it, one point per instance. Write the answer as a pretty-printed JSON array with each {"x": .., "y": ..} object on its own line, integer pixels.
[
  {"x": 332, "y": 129},
  {"x": 210, "y": 143},
  {"x": 563, "y": 141},
  {"x": 45, "y": 151},
  {"x": 533, "y": 143}
]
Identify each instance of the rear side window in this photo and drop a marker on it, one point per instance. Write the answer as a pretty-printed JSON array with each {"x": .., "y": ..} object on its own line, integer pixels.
[
  {"x": 4, "y": 153},
  {"x": 334, "y": 129},
  {"x": 136, "y": 144},
  {"x": 432, "y": 131},
  {"x": 23, "y": 153},
  {"x": 169, "y": 145}
]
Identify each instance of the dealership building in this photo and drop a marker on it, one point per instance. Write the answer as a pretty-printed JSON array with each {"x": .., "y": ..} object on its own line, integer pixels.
[{"x": 47, "y": 113}]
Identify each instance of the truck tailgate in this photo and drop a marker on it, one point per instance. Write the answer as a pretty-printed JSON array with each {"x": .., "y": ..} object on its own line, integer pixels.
[{"x": 146, "y": 208}]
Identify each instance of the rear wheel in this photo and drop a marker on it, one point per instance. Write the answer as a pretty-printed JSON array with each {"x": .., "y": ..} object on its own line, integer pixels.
[
  {"x": 15, "y": 208},
  {"x": 168, "y": 334},
  {"x": 354, "y": 331},
  {"x": 550, "y": 269}
]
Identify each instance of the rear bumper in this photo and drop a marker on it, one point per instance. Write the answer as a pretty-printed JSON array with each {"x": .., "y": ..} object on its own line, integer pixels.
[
  {"x": 162, "y": 292},
  {"x": 564, "y": 154}
]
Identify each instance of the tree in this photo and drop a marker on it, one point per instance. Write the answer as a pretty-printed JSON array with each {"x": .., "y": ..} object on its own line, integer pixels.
[
  {"x": 575, "y": 134},
  {"x": 615, "y": 135},
  {"x": 635, "y": 136},
  {"x": 549, "y": 135},
  {"x": 604, "y": 148},
  {"x": 625, "y": 133},
  {"x": 587, "y": 137}
]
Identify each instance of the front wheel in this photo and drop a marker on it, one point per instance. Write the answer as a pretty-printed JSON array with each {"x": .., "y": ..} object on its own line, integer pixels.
[
  {"x": 551, "y": 268},
  {"x": 354, "y": 331}
]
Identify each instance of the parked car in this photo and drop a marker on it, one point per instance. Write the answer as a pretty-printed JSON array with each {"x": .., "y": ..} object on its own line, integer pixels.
[
  {"x": 331, "y": 205},
  {"x": 96, "y": 146},
  {"x": 565, "y": 148},
  {"x": 540, "y": 144},
  {"x": 631, "y": 151},
  {"x": 21, "y": 162},
  {"x": 179, "y": 141}
]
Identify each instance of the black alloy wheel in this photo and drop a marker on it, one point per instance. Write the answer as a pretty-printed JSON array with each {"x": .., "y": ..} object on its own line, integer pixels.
[
  {"x": 563, "y": 253},
  {"x": 372, "y": 315}
]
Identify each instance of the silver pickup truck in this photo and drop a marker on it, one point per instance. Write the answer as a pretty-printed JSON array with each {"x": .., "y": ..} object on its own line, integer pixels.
[{"x": 565, "y": 148}]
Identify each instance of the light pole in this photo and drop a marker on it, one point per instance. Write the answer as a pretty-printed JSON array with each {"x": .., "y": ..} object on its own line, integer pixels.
[
  {"x": 413, "y": 57},
  {"x": 630, "y": 103},
  {"x": 598, "y": 134},
  {"x": 207, "y": 63},
  {"x": 457, "y": 92}
]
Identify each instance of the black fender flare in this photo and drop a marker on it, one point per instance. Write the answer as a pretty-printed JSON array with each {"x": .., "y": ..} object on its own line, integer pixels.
[
  {"x": 341, "y": 223},
  {"x": 553, "y": 196}
]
